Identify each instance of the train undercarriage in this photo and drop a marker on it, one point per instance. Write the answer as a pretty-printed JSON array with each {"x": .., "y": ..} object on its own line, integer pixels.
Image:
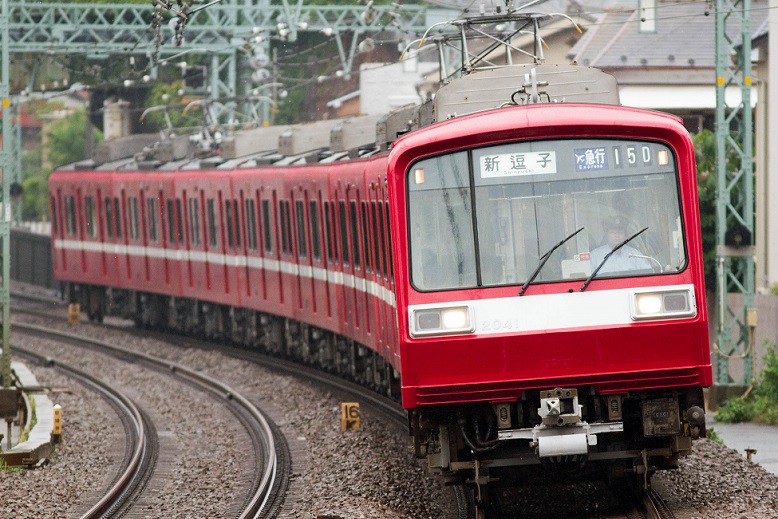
[
  {"x": 251, "y": 329},
  {"x": 559, "y": 434}
]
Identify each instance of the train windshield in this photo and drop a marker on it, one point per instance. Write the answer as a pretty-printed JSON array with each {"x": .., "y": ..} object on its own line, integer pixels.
[{"x": 491, "y": 216}]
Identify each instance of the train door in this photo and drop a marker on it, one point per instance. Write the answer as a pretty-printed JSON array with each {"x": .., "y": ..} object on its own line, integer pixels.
[
  {"x": 212, "y": 242},
  {"x": 174, "y": 241},
  {"x": 304, "y": 281},
  {"x": 334, "y": 274},
  {"x": 255, "y": 272},
  {"x": 319, "y": 281},
  {"x": 274, "y": 244},
  {"x": 246, "y": 236},
  {"x": 196, "y": 266},
  {"x": 366, "y": 296},
  {"x": 236, "y": 257},
  {"x": 112, "y": 238},
  {"x": 346, "y": 223},
  {"x": 57, "y": 231},
  {"x": 288, "y": 264}
]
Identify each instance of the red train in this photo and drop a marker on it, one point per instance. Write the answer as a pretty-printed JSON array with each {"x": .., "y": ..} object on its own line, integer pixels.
[{"x": 529, "y": 277}]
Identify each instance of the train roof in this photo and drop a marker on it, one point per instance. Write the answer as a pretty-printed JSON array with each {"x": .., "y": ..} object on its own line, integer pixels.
[{"x": 335, "y": 140}]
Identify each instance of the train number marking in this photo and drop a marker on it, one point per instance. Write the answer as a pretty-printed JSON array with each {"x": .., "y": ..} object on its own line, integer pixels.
[{"x": 349, "y": 416}]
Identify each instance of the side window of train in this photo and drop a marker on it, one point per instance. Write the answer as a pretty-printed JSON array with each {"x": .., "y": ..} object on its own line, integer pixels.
[
  {"x": 70, "y": 216},
  {"x": 251, "y": 225},
  {"x": 389, "y": 243},
  {"x": 236, "y": 212},
  {"x": 179, "y": 221},
  {"x": 382, "y": 239},
  {"x": 213, "y": 229},
  {"x": 108, "y": 218},
  {"x": 343, "y": 231},
  {"x": 134, "y": 219},
  {"x": 230, "y": 222},
  {"x": 377, "y": 241},
  {"x": 90, "y": 216},
  {"x": 117, "y": 217},
  {"x": 266, "y": 226},
  {"x": 286, "y": 227},
  {"x": 328, "y": 230},
  {"x": 283, "y": 219},
  {"x": 313, "y": 211},
  {"x": 152, "y": 215},
  {"x": 171, "y": 222},
  {"x": 232, "y": 216},
  {"x": 194, "y": 222},
  {"x": 354, "y": 233},
  {"x": 302, "y": 243},
  {"x": 366, "y": 239}
]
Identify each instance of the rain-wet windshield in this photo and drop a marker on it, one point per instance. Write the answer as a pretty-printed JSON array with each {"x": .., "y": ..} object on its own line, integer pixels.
[{"x": 490, "y": 216}]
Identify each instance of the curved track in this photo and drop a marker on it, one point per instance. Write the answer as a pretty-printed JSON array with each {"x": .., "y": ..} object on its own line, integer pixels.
[
  {"x": 142, "y": 448},
  {"x": 266, "y": 489}
]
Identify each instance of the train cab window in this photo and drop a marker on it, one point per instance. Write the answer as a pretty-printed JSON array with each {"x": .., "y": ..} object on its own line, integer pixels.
[
  {"x": 267, "y": 235},
  {"x": 108, "y": 218},
  {"x": 134, "y": 215},
  {"x": 152, "y": 215},
  {"x": 302, "y": 244},
  {"x": 194, "y": 222},
  {"x": 343, "y": 231},
  {"x": 501, "y": 213},
  {"x": 213, "y": 223},
  {"x": 251, "y": 225},
  {"x": 117, "y": 217},
  {"x": 315, "y": 232},
  {"x": 90, "y": 216}
]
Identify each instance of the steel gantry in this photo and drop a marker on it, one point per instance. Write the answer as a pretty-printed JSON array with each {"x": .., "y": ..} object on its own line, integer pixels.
[
  {"x": 735, "y": 193},
  {"x": 219, "y": 30}
]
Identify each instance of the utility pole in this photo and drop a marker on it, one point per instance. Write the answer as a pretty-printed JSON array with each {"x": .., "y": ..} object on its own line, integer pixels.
[
  {"x": 5, "y": 203},
  {"x": 735, "y": 194}
]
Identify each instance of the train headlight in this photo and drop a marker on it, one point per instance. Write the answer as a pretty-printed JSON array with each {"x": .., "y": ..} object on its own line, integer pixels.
[
  {"x": 660, "y": 304},
  {"x": 441, "y": 321}
]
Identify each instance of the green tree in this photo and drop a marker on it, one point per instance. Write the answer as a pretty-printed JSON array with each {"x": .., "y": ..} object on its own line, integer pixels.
[
  {"x": 705, "y": 149},
  {"x": 65, "y": 140},
  {"x": 64, "y": 144},
  {"x": 170, "y": 95}
]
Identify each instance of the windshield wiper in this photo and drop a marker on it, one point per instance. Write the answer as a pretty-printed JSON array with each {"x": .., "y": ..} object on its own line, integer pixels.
[
  {"x": 617, "y": 247},
  {"x": 543, "y": 260}
]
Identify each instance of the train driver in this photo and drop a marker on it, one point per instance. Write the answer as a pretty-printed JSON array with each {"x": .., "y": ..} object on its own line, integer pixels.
[{"x": 627, "y": 258}]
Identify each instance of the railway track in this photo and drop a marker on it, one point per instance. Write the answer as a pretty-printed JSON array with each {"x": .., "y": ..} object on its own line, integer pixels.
[
  {"x": 267, "y": 490},
  {"x": 142, "y": 445}
]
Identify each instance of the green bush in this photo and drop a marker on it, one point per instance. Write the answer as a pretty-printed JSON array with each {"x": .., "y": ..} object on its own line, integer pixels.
[
  {"x": 734, "y": 410},
  {"x": 761, "y": 405}
]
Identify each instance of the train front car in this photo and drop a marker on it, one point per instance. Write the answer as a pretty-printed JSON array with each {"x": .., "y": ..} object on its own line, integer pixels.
[{"x": 550, "y": 292}]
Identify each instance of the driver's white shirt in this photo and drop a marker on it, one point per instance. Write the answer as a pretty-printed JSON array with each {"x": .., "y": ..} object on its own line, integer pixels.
[{"x": 619, "y": 261}]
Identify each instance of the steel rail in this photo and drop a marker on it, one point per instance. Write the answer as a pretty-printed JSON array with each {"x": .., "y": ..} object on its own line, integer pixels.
[
  {"x": 113, "y": 496},
  {"x": 260, "y": 496}
]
